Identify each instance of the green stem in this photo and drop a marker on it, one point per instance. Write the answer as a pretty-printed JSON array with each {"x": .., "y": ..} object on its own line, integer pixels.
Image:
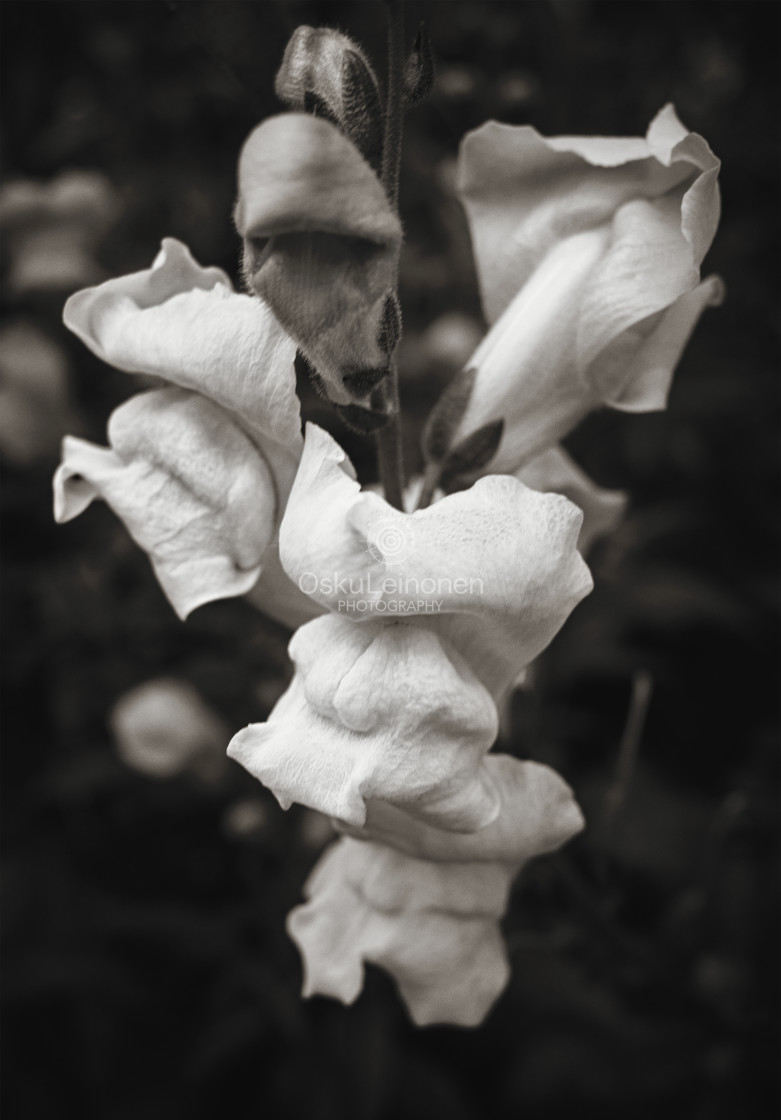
[
  {"x": 394, "y": 109},
  {"x": 430, "y": 483},
  {"x": 388, "y": 439}
]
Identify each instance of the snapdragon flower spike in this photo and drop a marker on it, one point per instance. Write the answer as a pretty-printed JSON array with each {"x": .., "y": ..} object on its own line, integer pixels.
[
  {"x": 433, "y": 924},
  {"x": 494, "y": 569},
  {"x": 380, "y": 711},
  {"x": 321, "y": 246},
  {"x": 199, "y": 473},
  {"x": 588, "y": 253}
]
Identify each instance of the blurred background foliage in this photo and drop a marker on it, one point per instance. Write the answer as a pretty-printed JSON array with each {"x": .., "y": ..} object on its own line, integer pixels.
[{"x": 147, "y": 971}]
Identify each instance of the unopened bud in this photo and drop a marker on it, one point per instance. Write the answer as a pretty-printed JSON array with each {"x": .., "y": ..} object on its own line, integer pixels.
[
  {"x": 325, "y": 73},
  {"x": 420, "y": 70},
  {"x": 321, "y": 247}
]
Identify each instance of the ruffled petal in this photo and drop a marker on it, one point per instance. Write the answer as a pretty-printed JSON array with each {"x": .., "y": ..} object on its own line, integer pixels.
[
  {"x": 185, "y": 324},
  {"x": 278, "y": 597},
  {"x": 588, "y": 253},
  {"x": 524, "y": 193},
  {"x": 321, "y": 246},
  {"x": 433, "y": 927},
  {"x": 377, "y": 711},
  {"x": 554, "y": 471},
  {"x": 538, "y": 813},
  {"x": 636, "y": 369},
  {"x": 190, "y": 486},
  {"x": 495, "y": 569}
]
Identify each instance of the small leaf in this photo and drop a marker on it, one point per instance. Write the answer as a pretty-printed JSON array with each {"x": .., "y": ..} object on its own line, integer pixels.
[
  {"x": 390, "y": 325},
  {"x": 420, "y": 69},
  {"x": 470, "y": 456},
  {"x": 446, "y": 415}
]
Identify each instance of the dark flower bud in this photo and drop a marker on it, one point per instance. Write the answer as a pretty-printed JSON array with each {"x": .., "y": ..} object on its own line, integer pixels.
[
  {"x": 325, "y": 73},
  {"x": 420, "y": 70}
]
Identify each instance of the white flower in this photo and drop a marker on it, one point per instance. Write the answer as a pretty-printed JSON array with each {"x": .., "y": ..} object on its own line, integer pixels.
[
  {"x": 588, "y": 253},
  {"x": 190, "y": 487},
  {"x": 199, "y": 473},
  {"x": 432, "y": 923},
  {"x": 494, "y": 570},
  {"x": 381, "y": 711},
  {"x": 554, "y": 471}
]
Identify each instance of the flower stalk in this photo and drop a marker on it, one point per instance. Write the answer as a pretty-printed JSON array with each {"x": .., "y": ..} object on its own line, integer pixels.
[{"x": 388, "y": 439}]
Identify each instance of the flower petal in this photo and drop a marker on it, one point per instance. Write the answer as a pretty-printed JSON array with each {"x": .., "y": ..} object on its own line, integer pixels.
[
  {"x": 433, "y": 927},
  {"x": 277, "y": 596},
  {"x": 554, "y": 471},
  {"x": 650, "y": 351},
  {"x": 377, "y": 711},
  {"x": 538, "y": 814},
  {"x": 523, "y": 192},
  {"x": 588, "y": 253},
  {"x": 494, "y": 568},
  {"x": 191, "y": 487},
  {"x": 184, "y": 323}
]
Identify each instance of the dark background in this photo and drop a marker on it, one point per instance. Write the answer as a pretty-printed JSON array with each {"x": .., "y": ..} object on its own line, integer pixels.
[{"x": 147, "y": 972}]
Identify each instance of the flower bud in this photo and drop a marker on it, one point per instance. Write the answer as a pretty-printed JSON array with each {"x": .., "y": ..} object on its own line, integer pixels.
[
  {"x": 325, "y": 73},
  {"x": 321, "y": 246}
]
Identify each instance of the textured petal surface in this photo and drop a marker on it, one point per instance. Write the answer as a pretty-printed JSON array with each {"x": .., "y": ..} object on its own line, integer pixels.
[
  {"x": 588, "y": 253},
  {"x": 321, "y": 245},
  {"x": 278, "y": 597},
  {"x": 537, "y": 814},
  {"x": 377, "y": 711},
  {"x": 555, "y": 471},
  {"x": 494, "y": 569},
  {"x": 184, "y": 323},
  {"x": 190, "y": 486},
  {"x": 524, "y": 193},
  {"x": 433, "y": 927}
]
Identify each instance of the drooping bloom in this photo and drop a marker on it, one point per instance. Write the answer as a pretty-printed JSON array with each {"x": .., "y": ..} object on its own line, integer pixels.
[
  {"x": 425, "y": 904},
  {"x": 588, "y": 253},
  {"x": 200, "y": 472}
]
